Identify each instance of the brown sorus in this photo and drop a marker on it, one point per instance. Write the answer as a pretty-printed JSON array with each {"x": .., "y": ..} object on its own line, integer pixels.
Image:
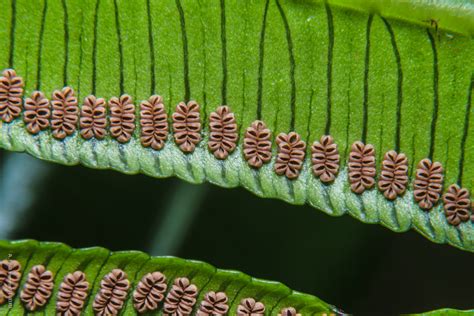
[
  {"x": 93, "y": 121},
  {"x": 250, "y": 307},
  {"x": 456, "y": 205},
  {"x": 122, "y": 118},
  {"x": 11, "y": 92},
  {"x": 361, "y": 167},
  {"x": 472, "y": 211},
  {"x": 290, "y": 157},
  {"x": 187, "y": 126},
  {"x": 72, "y": 294},
  {"x": 112, "y": 293},
  {"x": 149, "y": 292},
  {"x": 289, "y": 311},
  {"x": 65, "y": 113},
  {"x": 37, "y": 113},
  {"x": 213, "y": 304},
  {"x": 181, "y": 298},
  {"x": 428, "y": 183},
  {"x": 394, "y": 175},
  {"x": 10, "y": 275},
  {"x": 257, "y": 144},
  {"x": 38, "y": 288},
  {"x": 153, "y": 123},
  {"x": 325, "y": 159},
  {"x": 223, "y": 132}
]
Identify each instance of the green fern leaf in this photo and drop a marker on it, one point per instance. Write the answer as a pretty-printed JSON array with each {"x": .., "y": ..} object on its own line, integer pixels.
[
  {"x": 397, "y": 76},
  {"x": 96, "y": 263}
]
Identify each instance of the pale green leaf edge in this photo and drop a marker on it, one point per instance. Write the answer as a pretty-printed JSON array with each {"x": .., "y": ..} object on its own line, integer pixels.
[{"x": 335, "y": 199}]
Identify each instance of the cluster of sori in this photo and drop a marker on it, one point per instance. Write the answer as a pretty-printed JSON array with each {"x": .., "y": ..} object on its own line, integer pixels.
[
  {"x": 150, "y": 294},
  {"x": 95, "y": 119}
]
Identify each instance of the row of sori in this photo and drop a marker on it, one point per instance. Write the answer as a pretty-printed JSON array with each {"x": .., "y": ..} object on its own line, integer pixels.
[
  {"x": 97, "y": 118},
  {"x": 150, "y": 294}
]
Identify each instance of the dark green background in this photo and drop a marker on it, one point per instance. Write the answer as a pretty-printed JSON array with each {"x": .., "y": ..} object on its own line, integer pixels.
[{"x": 363, "y": 269}]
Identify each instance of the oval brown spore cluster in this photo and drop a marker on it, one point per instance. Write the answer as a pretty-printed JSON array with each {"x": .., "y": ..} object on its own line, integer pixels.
[
  {"x": 11, "y": 93},
  {"x": 472, "y": 211},
  {"x": 223, "y": 132},
  {"x": 250, "y": 307},
  {"x": 325, "y": 159},
  {"x": 10, "y": 275},
  {"x": 122, "y": 118},
  {"x": 187, "y": 126},
  {"x": 394, "y": 176},
  {"x": 290, "y": 157},
  {"x": 289, "y": 311},
  {"x": 214, "y": 304},
  {"x": 457, "y": 205},
  {"x": 38, "y": 288},
  {"x": 257, "y": 144},
  {"x": 153, "y": 123},
  {"x": 361, "y": 167},
  {"x": 149, "y": 292},
  {"x": 93, "y": 121},
  {"x": 65, "y": 113},
  {"x": 112, "y": 294},
  {"x": 37, "y": 113},
  {"x": 72, "y": 294},
  {"x": 428, "y": 183},
  {"x": 181, "y": 298}
]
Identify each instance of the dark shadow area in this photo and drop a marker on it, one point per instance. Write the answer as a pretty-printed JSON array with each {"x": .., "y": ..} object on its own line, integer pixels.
[
  {"x": 84, "y": 207},
  {"x": 363, "y": 269}
]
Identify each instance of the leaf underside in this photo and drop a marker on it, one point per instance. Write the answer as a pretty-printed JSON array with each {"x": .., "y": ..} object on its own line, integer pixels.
[
  {"x": 97, "y": 262},
  {"x": 311, "y": 67}
]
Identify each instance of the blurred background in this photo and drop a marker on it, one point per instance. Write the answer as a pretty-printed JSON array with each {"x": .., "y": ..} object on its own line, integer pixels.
[{"x": 363, "y": 269}]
